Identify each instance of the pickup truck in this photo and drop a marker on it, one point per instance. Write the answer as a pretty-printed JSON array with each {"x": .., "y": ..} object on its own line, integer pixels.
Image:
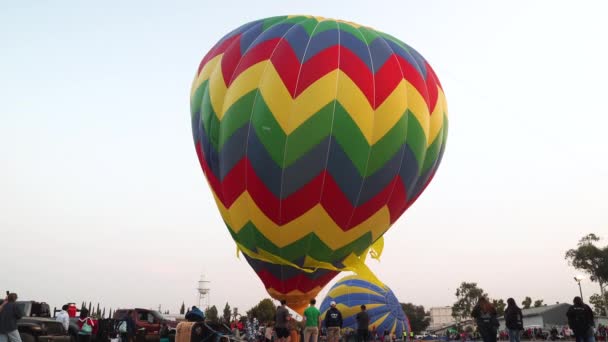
[
  {"x": 147, "y": 323},
  {"x": 36, "y": 325}
]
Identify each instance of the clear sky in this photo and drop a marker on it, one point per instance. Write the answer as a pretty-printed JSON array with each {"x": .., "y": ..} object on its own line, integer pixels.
[{"x": 102, "y": 197}]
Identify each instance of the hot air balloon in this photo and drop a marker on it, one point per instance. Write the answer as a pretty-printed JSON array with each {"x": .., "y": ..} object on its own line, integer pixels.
[
  {"x": 314, "y": 135},
  {"x": 384, "y": 310}
]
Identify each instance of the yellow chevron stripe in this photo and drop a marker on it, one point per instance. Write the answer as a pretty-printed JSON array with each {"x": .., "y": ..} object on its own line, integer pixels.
[
  {"x": 245, "y": 82},
  {"x": 284, "y": 108},
  {"x": 380, "y": 320},
  {"x": 297, "y": 300},
  {"x": 217, "y": 89},
  {"x": 390, "y": 111},
  {"x": 205, "y": 72},
  {"x": 356, "y": 105},
  {"x": 417, "y": 105},
  {"x": 437, "y": 118},
  {"x": 316, "y": 221},
  {"x": 343, "y": 289}
]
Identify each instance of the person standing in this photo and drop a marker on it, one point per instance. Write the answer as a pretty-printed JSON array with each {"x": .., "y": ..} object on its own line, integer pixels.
[
  {"x": 64, "y": 317},
  {"x": 85, "y": 326},
  {"x": 486, "y": 319},
  {"x": 312, "y": 321},
  {"x": 362, "y": 325},
  {"x": 333, "y": 323},
  {"x": 514, "y": 320},
  {"x": 281, "y": 318},
  {"x": 9, "y": 314},
  {"x": 581, "y": 320}
]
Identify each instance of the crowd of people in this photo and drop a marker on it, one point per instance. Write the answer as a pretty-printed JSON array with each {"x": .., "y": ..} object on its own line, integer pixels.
[{"x": 581, "y": 322}]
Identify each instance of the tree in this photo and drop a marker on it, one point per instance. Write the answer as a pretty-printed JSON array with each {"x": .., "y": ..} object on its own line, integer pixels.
[
  {"x": 592, "y": 260},
  {"x": 211, "y": 314},
  {"x": 538, "y": 303},
  {"x": 526, "y": 303},
  {"x": 418, "y": 318},
  {"x": 227, "y": 313},
  {"x": 265, "y": 311},
  {"x": 182, "y": 310},
  {"x": 467, "y": 295},
  {"x": 599, "y": 304},
  {"x": 500, "y": 306}
]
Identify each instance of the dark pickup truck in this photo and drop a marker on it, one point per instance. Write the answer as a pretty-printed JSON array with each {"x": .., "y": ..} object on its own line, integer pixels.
[{"x": 36, "y": 325}]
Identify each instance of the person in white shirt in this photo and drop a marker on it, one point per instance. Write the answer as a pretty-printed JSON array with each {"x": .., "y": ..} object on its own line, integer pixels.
[{"x": 63, "y": 317}]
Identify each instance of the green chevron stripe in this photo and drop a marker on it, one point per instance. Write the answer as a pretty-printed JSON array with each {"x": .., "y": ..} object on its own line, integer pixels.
[
  {"x": 368, "y": 34},
  {"x": 272, "y": 21},
  {"x": 251, "y": 238},
  {"x": 325, "y": 26},
  {"x": 210, "y": 121},
  {"x": 312, "y": 131},
  {"x": 309, "y": 25},
  {"x": 197, "y": 98},
  {"x": 236, "y": 116},
  {"x": 433, "y": 151}
]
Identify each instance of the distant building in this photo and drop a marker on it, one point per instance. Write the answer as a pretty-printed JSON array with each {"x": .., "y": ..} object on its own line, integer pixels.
[
  {"x": 544, "y": 317},
  {"x": 441, "y": 317}
]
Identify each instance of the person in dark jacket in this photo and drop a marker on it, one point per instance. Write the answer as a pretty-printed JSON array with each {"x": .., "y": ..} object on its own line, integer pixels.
[
  {"x": 9, "y": 314},
  {"x": 333, "y": 323},
  {"x": 514, "y": 320},
  {"x": 581, "y": 321},
  {"x": 195, "y": 315},
  {"x": 486, "y": 319}
]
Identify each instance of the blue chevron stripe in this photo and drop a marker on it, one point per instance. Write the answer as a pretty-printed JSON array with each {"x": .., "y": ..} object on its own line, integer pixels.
[
  {"x": 357, "y": 189},
  {"x": 283, "y": 271}
]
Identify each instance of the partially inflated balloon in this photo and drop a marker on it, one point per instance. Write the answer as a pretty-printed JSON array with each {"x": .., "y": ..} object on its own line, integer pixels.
[
  {"x": 315, "y": 135},
  {"x": 384, "y": 310}
]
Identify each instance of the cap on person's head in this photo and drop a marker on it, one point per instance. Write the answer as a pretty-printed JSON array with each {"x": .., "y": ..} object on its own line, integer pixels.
[{"x": 333, "y": 303}]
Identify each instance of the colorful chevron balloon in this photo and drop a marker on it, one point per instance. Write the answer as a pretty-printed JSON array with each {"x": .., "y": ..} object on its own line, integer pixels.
[
  {"x": 314, "y": 135},
  {"x": 384, "y": 310}
]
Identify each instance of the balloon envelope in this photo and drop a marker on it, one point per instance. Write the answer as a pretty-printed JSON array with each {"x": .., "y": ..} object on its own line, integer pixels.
[
  {"x": 382, "y": 306},
  {"x": 314, "y": 135}
]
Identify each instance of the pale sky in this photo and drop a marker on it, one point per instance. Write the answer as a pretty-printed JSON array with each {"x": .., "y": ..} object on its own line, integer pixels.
[{"x": 102, "y": 198}]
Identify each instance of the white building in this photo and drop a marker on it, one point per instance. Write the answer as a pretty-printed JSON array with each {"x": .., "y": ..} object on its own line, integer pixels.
[{"x": 440, "y": 317}]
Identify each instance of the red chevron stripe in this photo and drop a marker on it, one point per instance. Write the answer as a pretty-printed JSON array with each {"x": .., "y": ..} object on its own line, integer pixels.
[
  {"x": 357, "y": 70},
  {"x": 258, "y": 53},
  {"x": 287, "y": 65},
  {"x": 432, "y": 82},
  {"x": 216, "y": 51},
  {"x": 386, "y": 80},
  {"x": 300, "y": 282},
  {"x": 332, "y": 199},
  {"x": 415, "y": 78},
  {"x": 397, "y": 203},
  {"x": 318, "y": 66},
  {"x": 230, "y": 60}
]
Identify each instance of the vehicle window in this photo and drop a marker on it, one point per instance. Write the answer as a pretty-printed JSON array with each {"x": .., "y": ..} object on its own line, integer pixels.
[
  {"x": 157, "y": 316},
  {"x": 142, "y": 316}
]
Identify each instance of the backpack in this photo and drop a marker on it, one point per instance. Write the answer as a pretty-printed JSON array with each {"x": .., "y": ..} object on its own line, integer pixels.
[
  {"x": 86, "y": 328},
  {"x": 122, "y": 327}
]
